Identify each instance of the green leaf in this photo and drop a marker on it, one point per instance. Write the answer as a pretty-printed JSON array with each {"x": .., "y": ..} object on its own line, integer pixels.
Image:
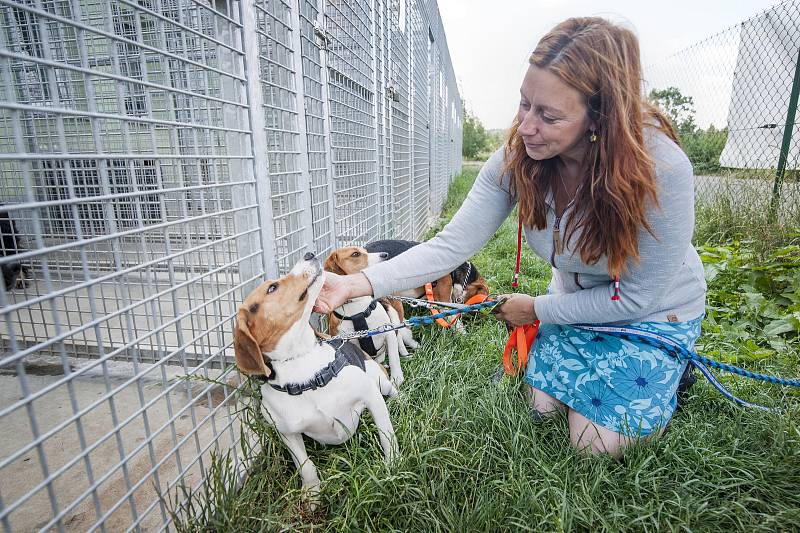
[{"x": 776, "y": 327}]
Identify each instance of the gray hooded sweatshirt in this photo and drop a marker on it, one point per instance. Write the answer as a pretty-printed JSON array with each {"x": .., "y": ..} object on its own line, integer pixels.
[{"x": 666, "y": 285}]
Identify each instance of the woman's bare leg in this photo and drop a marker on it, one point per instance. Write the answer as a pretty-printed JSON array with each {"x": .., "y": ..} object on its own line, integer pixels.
[
  {"x": 543, "y": 403},
  {"x": 589, "y": 437}
]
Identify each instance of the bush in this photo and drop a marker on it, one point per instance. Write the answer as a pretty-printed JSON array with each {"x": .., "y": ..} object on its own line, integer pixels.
[
  {"x": 703, "y": 147},
  {"x": 475, "y": 139}
]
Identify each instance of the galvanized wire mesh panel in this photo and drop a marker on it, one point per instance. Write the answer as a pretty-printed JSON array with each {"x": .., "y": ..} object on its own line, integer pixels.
[
  {"x": 400, "y": 103},
  {"x": 128, "y": 199},
  {"x": 730, "y": 96},
  {"x": 352, "y": 117},
  {"x": 157, "y": 158}
]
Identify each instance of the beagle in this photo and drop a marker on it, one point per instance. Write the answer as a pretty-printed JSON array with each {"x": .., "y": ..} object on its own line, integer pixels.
[
  {"x": 309, "y": 387},
  {"x": 458, "y": 286},
  {"x": 365, "y": 313}
]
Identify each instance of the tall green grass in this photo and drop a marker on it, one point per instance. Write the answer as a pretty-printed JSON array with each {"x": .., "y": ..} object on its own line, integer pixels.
[
  {"x": 739, "y": 209},
  {"x": 473, "y": 459}
]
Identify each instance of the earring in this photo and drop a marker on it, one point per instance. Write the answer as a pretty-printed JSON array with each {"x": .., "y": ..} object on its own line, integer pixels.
[{"x": 593, "y": 137}]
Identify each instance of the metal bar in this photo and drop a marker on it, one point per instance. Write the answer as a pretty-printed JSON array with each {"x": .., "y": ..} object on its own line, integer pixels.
[
  {"x": 325, "y": 95},
  {"x": 117, "y": 196},
  {"x": 258, "y": 136},
  {"x": 788, "y": 128},
  {"x": 110, "y": 116},
  {"x": 307, "y": 223}
]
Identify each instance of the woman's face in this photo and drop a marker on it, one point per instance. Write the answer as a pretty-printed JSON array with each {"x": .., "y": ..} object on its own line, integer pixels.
[{"x": 553, "y": 118}]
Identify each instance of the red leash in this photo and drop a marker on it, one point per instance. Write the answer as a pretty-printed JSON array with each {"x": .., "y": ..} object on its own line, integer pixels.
[{"x": 522, "y": 337}]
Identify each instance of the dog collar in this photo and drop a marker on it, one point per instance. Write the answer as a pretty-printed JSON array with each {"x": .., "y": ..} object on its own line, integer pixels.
[
  {"x": 346, "y": 354},
  {"x": 358, "y": 316},
  {"x": 465, "y": 281}
]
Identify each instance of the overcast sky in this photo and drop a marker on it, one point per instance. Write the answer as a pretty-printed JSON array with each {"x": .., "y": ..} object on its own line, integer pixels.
[{"x": 490, "y": 40}]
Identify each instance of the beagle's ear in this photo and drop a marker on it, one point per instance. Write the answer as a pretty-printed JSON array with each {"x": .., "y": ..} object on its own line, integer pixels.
[
  {"x": 479, "y": 286},
  {"x": 331, "y": 265},
  {"x": 443, "y": 291},
  {"x": 248, "y": 355}
]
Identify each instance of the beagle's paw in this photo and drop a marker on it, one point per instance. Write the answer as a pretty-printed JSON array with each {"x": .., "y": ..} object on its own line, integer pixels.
[
  {"x": 310, "y": 496},
  {"x": 398, "y": 380}
]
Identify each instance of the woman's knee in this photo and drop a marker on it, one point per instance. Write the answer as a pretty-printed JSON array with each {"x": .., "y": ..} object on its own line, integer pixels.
[
  {"x": 543, "y": 403},
  {"x": 591, "y": 438}
]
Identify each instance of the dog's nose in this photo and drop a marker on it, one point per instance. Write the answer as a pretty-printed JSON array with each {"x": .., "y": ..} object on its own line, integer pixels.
[
  {"x": 309, "y": 256},
  {"x": 384, "y": 255}
]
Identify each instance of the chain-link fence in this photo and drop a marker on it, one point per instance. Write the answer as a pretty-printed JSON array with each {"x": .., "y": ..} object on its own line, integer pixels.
[
  {"x": 733, "y": 98},
  {"x": 158, "y": 158}
]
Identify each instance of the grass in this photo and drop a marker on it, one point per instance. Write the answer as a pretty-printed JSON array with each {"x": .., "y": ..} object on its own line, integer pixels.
[
  {"x": 740, "y": 210},
  {"x": 472, "y": 459}
]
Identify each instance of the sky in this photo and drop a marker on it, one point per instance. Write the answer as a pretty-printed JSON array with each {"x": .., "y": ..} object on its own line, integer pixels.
[{"x": 490, "y": 40}]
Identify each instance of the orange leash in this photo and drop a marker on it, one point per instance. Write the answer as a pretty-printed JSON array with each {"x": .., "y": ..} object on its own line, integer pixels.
[
  {"x": 478, "y": 298},
  {"x": 522, "y": 337},
  {"x": 445, "y": 323}
]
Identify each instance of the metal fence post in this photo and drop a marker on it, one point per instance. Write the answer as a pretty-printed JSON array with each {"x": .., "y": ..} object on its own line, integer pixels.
[
  {"x": 788, "y": 128},
  {"x": 300, "y": 103},
  {"x": 258, "y": 135},
  {"x": 322, "y": 36}
]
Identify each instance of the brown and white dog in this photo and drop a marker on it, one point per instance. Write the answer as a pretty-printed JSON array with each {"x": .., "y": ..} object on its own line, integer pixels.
[
  {"x": 458, "y": 286},
  {"x": 364, "y": 312},
  {"x": 309, "y": 387}
]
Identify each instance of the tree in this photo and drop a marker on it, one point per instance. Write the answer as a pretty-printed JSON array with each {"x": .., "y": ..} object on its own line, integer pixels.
[
  {"x": 679, "y": 108},
  {"x": 475, "y": 139},
  {"x": 703, "y": 147}
]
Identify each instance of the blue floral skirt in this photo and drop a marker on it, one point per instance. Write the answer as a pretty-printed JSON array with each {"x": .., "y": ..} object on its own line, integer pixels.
[{"x": 626, "y": 386}]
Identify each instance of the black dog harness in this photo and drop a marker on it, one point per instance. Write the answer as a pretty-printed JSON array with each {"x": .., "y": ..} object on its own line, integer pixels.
[
  {"x": 346, "y": 354},
  {"x": 359, "y": 321}
]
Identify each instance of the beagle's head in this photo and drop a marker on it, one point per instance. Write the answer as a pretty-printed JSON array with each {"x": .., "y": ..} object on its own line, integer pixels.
[
  {"x": 479, "y": 286},
  {"x": 468, "y": 282},
  {"x": 274, "y": 313},
  {"x": 352, "y": 259}
]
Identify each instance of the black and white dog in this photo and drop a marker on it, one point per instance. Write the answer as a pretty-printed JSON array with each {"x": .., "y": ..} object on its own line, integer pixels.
[
  {"x": 15, "y": 274},
  {"x": 458, "y": 286}
]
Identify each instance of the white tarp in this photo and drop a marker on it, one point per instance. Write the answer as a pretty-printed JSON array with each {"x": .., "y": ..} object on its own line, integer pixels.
[{"x": 762, "y": 84}]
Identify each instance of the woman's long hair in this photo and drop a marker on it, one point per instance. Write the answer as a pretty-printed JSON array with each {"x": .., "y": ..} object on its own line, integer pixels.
[{"x": 601, "y": 61}]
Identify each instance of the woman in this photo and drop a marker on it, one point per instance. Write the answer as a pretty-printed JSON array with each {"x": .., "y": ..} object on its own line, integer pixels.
[{"x": 605, "y": 194}]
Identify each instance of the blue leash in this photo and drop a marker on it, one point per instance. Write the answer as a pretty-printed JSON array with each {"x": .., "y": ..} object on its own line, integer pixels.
[
  {"x": 700, "y": 362},
  {"x": 673, "y": 348}
]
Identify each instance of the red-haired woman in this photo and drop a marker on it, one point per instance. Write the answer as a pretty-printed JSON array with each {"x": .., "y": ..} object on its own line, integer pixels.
[{"x": 605, "y": 194}]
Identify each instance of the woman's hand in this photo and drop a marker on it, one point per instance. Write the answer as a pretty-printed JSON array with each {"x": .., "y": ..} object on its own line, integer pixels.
[
  {"x": 338, "y": 289},
  {"x": 516, "y": 310},
  {"x": 333, "y": 294}
]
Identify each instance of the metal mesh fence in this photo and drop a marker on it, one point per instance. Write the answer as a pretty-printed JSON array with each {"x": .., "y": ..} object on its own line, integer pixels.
[
  {"x": 733, "y": 99},
  {"x": 158, "y": 158}
]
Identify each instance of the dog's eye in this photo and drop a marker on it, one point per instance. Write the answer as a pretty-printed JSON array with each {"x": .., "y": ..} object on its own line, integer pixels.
[
  {"x": 272, "y": 288},
  {"x": 355, "y": 254}
]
